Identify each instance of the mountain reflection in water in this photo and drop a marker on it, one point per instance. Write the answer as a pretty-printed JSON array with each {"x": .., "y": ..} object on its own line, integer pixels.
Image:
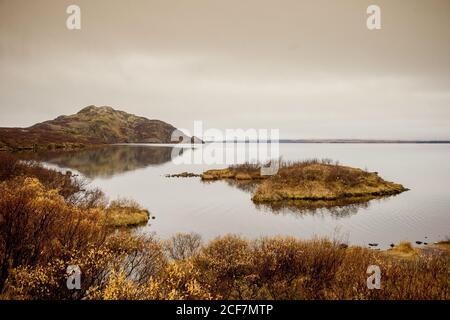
[{"x": 107, "y": 161}]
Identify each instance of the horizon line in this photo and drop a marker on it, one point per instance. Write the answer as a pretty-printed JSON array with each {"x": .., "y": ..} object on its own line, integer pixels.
[{"x": 379, "y": 141}]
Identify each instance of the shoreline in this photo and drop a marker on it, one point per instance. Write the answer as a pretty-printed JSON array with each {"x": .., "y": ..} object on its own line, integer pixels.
[{"x": 74, "y": 146}]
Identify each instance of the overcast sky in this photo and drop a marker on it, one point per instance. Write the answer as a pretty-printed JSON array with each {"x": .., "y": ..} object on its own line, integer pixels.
[{"x": 309, "y": 68}]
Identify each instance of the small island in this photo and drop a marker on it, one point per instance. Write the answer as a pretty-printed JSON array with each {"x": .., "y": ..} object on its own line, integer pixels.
[
  {"x": 312, "y": 180},
  {"x": 125, "y": 213}
]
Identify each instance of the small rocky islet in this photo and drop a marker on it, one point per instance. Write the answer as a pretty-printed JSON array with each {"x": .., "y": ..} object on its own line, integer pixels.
[{"x": 312, "y": 180}]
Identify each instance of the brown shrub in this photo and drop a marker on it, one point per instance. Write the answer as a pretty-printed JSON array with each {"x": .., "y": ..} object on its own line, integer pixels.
[
  {"x": 8, "y": 165},
  {"x": 183, "y": 245},
  {"x": 124, "y": 203},
  {"x": 71, "y": 187},
  {"x": 38, "y": 227},
  {"x": 246, "y": 167},
  {"x": 288, "y": 268},
  {"x": 138, "y": 257},
  {"x": 225, "y": 265}
]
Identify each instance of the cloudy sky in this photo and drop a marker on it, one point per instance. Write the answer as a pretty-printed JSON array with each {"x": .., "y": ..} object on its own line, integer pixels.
[{"x": 310, "y": 68}]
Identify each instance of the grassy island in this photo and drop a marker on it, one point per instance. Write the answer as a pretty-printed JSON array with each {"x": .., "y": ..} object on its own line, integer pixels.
[
  {"x": 126, "y": 213},
  {"x": 309, "y": 180},
  {"x": 236, "y": 173}
]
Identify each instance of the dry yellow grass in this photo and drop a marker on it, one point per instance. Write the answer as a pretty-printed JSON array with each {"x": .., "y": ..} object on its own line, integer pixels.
[
  {"x": 230, "y": 173},
  {"x": 320, "y": 181},
  {"x": 309, "y": 180},
  {"x": 403, "y": 250},
  {"x": 126, "y": 213},
  {"x": 126, "y": 217}
]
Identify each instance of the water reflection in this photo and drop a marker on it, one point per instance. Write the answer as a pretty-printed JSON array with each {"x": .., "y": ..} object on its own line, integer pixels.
[
  {"x": 107, "y": 161},
  {"x": 336, "y": 208},
  {"x": 187, "y": 205},
  {"x": 248, "y": 186}
]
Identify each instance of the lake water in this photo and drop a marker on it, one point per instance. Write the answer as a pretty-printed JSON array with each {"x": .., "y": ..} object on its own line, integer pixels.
[{"x": 218, "y": 208}]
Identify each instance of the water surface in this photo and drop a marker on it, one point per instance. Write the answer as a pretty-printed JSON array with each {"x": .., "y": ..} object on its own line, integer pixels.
[{"x": 213, "y": 209}]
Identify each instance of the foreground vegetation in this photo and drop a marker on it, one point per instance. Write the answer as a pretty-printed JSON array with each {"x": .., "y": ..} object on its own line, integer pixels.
[
  {"x": 117, "y": 213},
  {"x": 48, "y": 221},
  {"x": 310, "y": 180}
]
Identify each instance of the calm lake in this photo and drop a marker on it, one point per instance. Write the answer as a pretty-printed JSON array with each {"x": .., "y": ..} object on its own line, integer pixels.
[{"x": 218, "y": 208}]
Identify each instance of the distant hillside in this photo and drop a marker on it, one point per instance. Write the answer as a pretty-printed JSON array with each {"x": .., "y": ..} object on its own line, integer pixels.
[{"x": 91, "y": 125}]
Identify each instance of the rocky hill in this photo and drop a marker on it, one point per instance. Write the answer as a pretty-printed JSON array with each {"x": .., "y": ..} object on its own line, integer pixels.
[{"x": 91, "y": 125}]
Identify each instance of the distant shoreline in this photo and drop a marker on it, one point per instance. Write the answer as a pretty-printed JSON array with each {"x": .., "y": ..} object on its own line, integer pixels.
[{"x": 337, "y": 141}]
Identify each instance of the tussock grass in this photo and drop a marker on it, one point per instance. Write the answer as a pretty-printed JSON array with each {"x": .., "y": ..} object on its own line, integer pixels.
[
  {"x": 126, "y": 213},
  {"x": 321, "y": 180},
  {"x": 404, "y": 250},
  {"x": 312, "y": 179}
]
